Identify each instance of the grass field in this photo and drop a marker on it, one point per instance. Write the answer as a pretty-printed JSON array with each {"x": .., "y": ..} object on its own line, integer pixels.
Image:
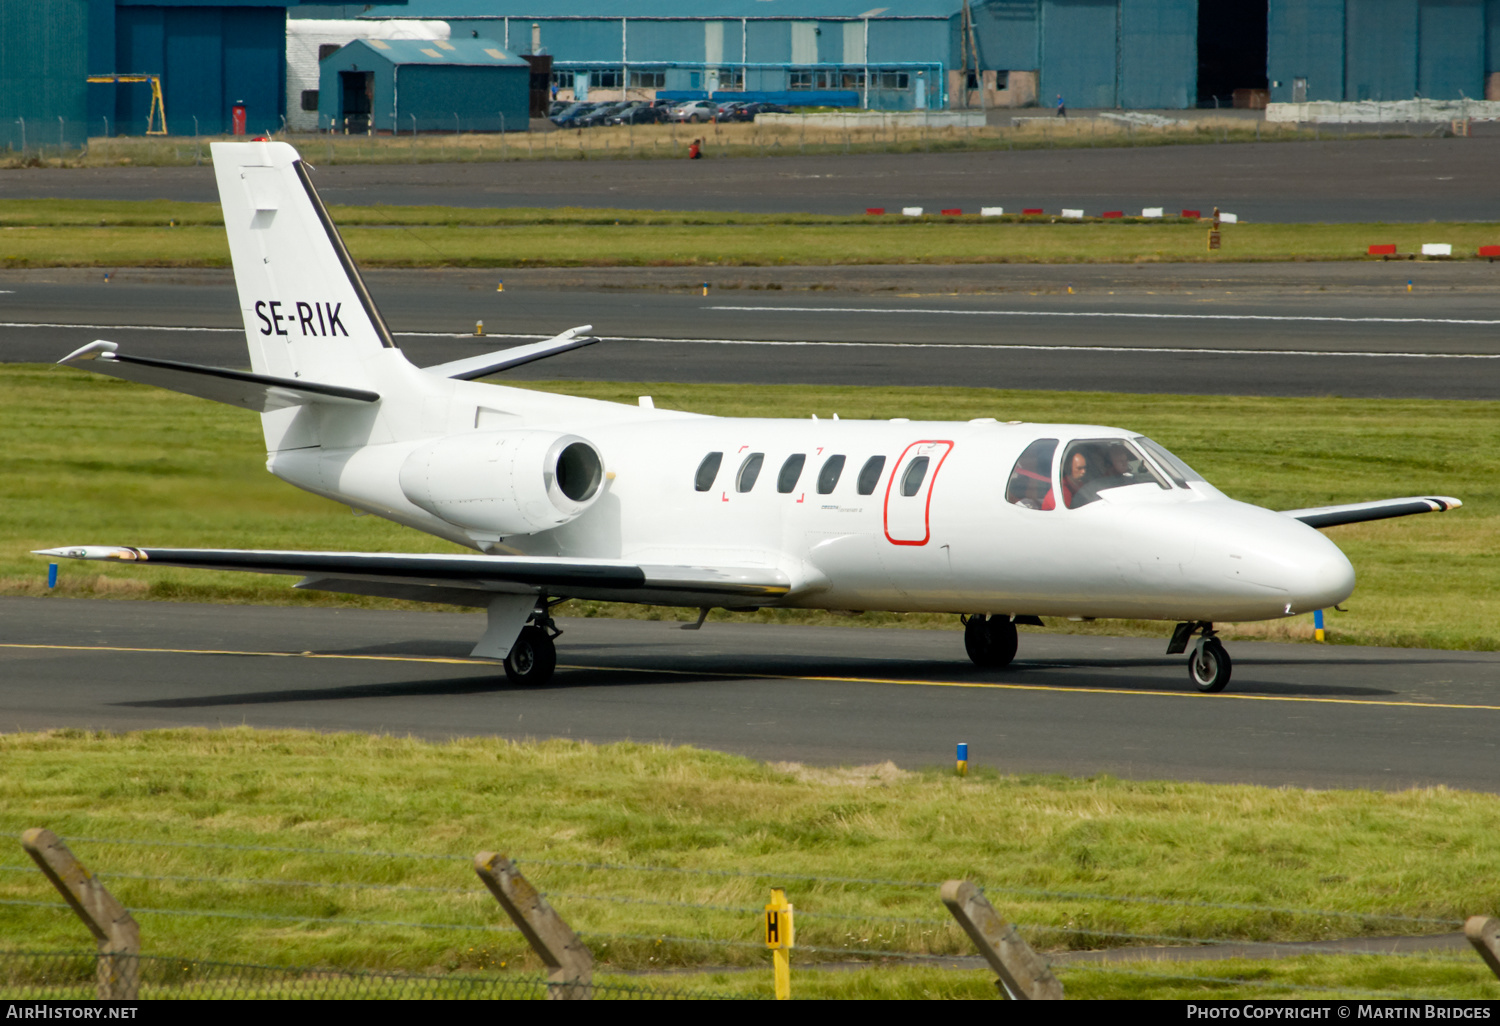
[
  {"x": 90, "y": 459},
  {"x": 84, "y": 233},
  {"x": 266, "y": 847}
]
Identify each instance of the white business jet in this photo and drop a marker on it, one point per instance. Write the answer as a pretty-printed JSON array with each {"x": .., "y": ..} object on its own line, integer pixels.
[{"x": 562, "y": 497}]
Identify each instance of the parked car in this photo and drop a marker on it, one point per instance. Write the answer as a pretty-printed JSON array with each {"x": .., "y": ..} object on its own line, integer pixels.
[
  {"x": 641, "y": 114},
  {"x": 748, "y": 111},
  {"x": 598, "y": 116},
  {"x": 570, "y": 112},
  {"x": 693, "y": 111}
]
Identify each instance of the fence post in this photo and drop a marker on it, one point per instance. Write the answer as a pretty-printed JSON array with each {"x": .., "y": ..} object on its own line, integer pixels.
[
  {"x": 115, "y": 931},
  {"x": 550, "y": 937},
  {"x": 1484, "y": 933},
  {"x": 1023, "y": 974}
]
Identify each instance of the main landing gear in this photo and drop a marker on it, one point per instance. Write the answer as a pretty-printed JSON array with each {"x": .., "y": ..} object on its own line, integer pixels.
[
  {"x": 991, "y": 640},
  {"x": 1209, "y": 666},
  {"x": 533, "y": 657}
]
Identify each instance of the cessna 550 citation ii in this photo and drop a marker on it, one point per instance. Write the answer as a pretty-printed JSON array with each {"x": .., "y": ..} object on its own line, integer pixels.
[{"x": 562, "y": 497}]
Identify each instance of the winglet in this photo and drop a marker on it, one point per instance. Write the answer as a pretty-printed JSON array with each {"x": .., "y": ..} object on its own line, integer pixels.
[
  {"x": 120, "y": 553},
  {"x": 92, "y": 351}
]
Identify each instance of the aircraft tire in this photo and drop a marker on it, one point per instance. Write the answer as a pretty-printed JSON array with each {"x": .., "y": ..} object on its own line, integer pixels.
[
  {"x": 1210, "y": 667},
  {"x": 990, "y": 641},
  {"x": 532, "y": 658}
]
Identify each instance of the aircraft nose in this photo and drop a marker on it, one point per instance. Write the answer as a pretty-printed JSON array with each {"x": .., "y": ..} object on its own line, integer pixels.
[
  {"x": 1280, "y": 553},
  {"x": 1319, "y": 574}
]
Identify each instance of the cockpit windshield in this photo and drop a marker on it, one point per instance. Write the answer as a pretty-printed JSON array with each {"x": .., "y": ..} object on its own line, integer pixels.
[
  {"x": 1177, "y": 470},
  {"x": 1093, "y": 465}
]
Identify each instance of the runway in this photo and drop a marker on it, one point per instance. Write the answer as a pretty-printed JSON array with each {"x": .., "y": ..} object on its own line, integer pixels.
[
  {"x": 1248, "y": 329},
  {"x": 1333, "y": 180},
  {"x": 1301, "y": 715}
]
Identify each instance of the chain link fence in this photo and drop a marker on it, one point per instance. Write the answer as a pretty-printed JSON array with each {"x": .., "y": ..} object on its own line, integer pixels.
[{"x": 72, "y": 976}]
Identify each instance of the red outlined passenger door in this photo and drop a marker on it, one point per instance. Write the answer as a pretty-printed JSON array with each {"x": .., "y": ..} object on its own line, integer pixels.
[{"x": 908, "y": 492}]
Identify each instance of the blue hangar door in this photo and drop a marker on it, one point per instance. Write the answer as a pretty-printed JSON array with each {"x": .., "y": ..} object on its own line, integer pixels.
[{"x": 1079, "y": 52}]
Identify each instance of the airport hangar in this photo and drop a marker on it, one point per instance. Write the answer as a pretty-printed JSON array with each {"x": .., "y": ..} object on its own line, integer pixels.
[
  {"x": 904, "y": 54},
  {"x": 214, "y": 55}
]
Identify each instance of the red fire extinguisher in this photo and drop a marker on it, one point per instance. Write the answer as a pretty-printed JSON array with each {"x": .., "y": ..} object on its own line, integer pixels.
[{"x": 238, "y": 119}]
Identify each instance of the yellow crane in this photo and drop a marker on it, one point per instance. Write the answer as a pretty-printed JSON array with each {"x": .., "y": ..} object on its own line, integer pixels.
[{"x": 158, "y": 106}]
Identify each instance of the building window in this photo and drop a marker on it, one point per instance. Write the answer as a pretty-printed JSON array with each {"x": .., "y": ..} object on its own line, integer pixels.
[
  {"x": 732, "y": 79},
  {"x": 1002, "y": 80},
  {"x": 607, "y": 78},
  {"x": 971, "y": 80},
  {"x": 327, "y": 50},
  {"x": 648, "y": 80},
  {"x": 821, "y": 78},
  {"x": 853, "y": 78},
  {"x": 310, "y": 99},
  {"x": 562, "y": 79},
  {"x": 893, "y": 80}
]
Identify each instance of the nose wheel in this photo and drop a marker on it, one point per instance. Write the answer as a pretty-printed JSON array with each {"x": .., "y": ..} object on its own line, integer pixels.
[{"x": 1210, "y": 666}]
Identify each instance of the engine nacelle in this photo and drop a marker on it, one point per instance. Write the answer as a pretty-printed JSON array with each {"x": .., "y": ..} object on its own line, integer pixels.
[{"x": 504, "y": 482}]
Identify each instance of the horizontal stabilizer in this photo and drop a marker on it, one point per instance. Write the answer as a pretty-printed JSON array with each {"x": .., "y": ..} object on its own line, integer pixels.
[
  {"x": 1381, "y": 509},
  {"x": 504, "y": 359},
  {"x": 449, "y": 578},
  {"x": 260, "y": 392}
]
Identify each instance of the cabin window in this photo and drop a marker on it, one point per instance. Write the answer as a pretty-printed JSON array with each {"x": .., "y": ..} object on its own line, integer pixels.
[
  {"x": 869, "y": 474},
  {"x": 1176, "y": 469},
  {"x": 916, "y": 472},
  {"x": 1095, "y": 465},
  {"x": 749, "y": 471},
  {"x": 828, "y": 477},
  {"x": 791, "y": 470},
  {"x": 707, "y": 471},
  {"x": 1030, "y": 484}
]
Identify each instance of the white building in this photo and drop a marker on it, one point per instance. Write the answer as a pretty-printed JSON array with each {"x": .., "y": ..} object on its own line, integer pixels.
[{"x": 309, "y": 40}]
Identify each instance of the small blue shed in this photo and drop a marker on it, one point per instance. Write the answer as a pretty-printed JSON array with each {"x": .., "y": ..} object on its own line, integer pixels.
[{"x": 413, "y": 85}]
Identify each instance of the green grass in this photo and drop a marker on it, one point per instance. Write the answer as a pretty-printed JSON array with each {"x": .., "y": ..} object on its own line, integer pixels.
[
  {"x": 90, "y": 459},
  {"x": 650, "y": 142},
  {"x": 1218, "y": 862},
  {"x": 86, "y": 233}
]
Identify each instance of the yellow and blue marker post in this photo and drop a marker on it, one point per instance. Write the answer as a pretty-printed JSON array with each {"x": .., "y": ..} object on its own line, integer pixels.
[
  {"x": 1318, "y": 634},
  {"x": 962, "y": 766},
  {"x": 780, "y": 937}
]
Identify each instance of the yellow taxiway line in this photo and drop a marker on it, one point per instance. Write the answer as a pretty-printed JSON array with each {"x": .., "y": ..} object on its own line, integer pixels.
[{"x": 1068, "y": 689}]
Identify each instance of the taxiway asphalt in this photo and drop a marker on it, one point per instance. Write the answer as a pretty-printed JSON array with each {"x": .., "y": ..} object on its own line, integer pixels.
[
  {"x": 1349, "y": 329},
  {"x": 1332, "y": 180},
  {"x": 1302, "y": 715}
]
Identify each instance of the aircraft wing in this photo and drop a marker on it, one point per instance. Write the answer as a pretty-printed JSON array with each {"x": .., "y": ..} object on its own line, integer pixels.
[
  {"x": 259, "y": 392},
  {"x": 470, "y": 580},
  {"x": 1381, "y": 509}
]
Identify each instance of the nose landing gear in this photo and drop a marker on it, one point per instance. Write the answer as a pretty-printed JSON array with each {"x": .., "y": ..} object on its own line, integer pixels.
[{"x": 1209, "y": 666}]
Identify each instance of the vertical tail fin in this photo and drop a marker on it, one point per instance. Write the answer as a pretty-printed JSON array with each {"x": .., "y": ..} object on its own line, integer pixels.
[{"x": 307, "y": 311}]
